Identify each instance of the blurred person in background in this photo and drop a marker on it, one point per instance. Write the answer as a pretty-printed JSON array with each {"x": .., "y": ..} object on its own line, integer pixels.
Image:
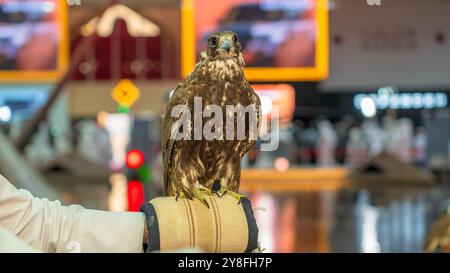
[
  {"x": 309, "y": 138},
  {"x": 356, "y": 149},
  {"x": 342, "y": 132},
  {"x": 327, "y": 143},
  {"x": 373, "y": 136},
  {"x": 298, "y": 127},
  {"x": 420, "y": 147},
  {"x": 93, "y": 142},
  {"x": 406, "y": 131}
]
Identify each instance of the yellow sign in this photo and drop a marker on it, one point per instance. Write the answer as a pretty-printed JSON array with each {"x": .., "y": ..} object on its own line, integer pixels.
[{"x": 125, "y": 93}]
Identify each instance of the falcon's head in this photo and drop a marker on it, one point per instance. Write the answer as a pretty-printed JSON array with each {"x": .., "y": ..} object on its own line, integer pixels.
[
  {"x": 223, "y": 59},
  {"x": 223, "y": 45}
]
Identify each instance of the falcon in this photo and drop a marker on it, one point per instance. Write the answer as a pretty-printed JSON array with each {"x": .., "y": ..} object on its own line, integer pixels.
[{"x": 193, "y": 168}]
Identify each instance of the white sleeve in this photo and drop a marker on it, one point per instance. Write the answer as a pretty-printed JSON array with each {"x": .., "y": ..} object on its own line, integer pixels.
[
  {"x": 50, "y": 227},
  {"x": 9, "y": 243}
]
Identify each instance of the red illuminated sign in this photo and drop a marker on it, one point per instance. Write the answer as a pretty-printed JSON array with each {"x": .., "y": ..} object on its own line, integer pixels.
[
  {"x": 135, "y": 195},
  {"x": 134, "y": 159}
]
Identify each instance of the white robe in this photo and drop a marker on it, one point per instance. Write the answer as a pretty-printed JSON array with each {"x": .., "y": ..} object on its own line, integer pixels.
[{"x": 47, "y": 226}]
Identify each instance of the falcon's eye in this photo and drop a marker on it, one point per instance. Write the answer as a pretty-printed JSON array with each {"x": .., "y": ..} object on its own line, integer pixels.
[
  {"x": 235, "y": 38},
  {"x": 213, "y": 41}
]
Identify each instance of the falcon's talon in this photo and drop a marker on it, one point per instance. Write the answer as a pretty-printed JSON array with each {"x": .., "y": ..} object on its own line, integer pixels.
[
  {"x": 180, "y": 195},
  {"x": 236, "y": 195},
  {"x": 223, "y": 191},
  {"x": 220, "y": 193},
  {"x": 200, "y": 193}
]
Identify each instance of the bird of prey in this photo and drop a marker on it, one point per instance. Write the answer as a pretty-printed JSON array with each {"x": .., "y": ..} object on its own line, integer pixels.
[{"x": 193, "y": 167}]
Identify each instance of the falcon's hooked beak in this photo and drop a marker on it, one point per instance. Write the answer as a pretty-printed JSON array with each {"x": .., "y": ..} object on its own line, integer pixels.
[{"x": 226, "y": 45}]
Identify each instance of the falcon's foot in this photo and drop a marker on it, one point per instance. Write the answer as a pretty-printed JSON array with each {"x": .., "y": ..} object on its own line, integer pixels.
[
  {"x": 180, "y": 195},
  {"x": 201, "y": 193}
]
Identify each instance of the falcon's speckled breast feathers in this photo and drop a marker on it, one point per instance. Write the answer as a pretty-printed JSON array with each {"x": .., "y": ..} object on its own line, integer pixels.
[{"x": 218, "y": 79}]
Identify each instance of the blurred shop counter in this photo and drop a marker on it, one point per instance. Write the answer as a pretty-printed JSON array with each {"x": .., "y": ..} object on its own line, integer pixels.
[{"x": 294, "y": 179}]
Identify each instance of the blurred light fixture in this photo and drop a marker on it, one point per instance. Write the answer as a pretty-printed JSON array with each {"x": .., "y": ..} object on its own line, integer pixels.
[
  {"x": 368, "y": 107},
  {"x": 48, "y": 6},
  {"x": 5, "y": 114},
  {"x": 428, "y": 101},
  {"x": 276, "y": 95},
  {"x": 281, "y": 164},
  {"x": 385, "y": 100},
  {"x": 386, "y": 91},
  {"x": 134, "y": 159}
]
